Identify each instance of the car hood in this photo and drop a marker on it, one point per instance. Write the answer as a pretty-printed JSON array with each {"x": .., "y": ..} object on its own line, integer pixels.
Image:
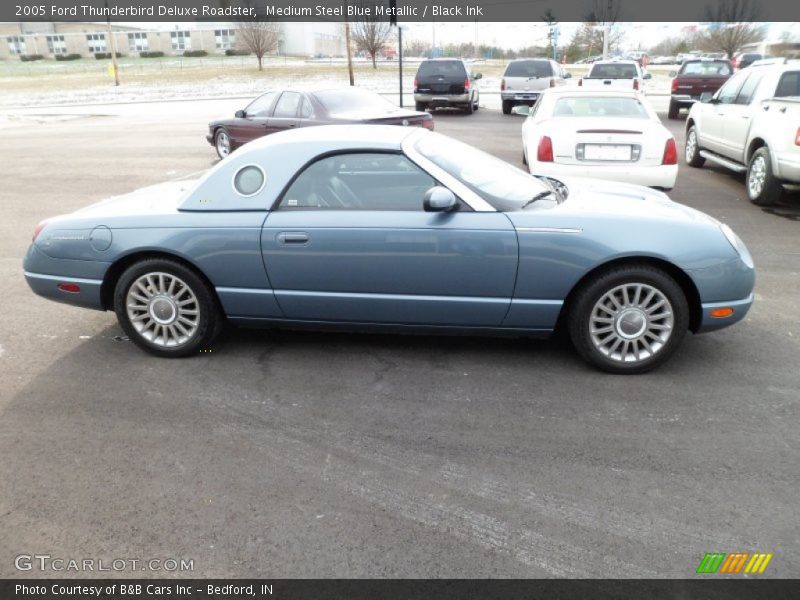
[{"x": 601, "y": 198}]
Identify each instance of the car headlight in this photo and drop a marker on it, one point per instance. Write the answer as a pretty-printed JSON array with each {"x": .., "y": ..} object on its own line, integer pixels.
[{"x": 737, "y": 244}]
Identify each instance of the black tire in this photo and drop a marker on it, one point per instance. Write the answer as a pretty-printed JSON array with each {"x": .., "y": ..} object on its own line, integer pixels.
[
  {"x": 583, "y": 305},
  {"x": 771, "y": 190},
  {"x": 209, "y": 319},
  {"x": 420, "y": 106},
  {"x": 692, "y": 153},
  {"x": 674, "y": 109},
  {"x": 507, "y": 106},
  {"x": 477, "y": 104},
  {"x": 524, "y": 158},
  {"x": 469, "y": 108}
]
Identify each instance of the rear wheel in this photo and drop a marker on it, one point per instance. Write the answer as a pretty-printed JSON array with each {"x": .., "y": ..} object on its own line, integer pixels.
[
  {"x": 674, "y": 109},
  {"x": 469, "y": 108},
  {"x": 763, "y": 188},
  {"x": 420, "y": 106},
  {"x": 628, "y": 319},
  {"x": 692, "y": 149},
  {"x": 477, "y": 103},
  {"x": 166, "y": 308},
  {"x": 524, "y": 158},
  {"x": 507, "y": 106}
]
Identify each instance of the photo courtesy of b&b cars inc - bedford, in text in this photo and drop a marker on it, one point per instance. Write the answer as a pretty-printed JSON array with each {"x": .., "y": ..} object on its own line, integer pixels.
[{"x": 358, "y": 299}]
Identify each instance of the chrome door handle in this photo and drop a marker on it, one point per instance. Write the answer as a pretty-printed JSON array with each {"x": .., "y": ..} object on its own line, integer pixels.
[{"x": 296, "y": 238}]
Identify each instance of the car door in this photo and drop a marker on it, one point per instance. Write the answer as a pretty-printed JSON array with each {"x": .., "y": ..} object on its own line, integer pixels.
[
  {"x": 719, "y": 115},
  {"x": 285, "y": 114},
  {"x": 738, "y": 116},
  {"x": 349, "y": 241},
  {"x": 255, "y": 120}
]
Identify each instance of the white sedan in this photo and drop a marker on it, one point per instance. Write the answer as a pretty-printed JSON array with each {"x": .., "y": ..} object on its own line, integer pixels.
[{"x": 612, "y": 134}]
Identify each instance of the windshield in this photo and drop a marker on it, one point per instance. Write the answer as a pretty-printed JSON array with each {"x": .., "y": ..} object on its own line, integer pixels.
[
  {"x": 352, "y": 99},
  {"x": 529, "y": 68},
  {"x": 505, "y": 187},
  {"x": 707, "y": 67},
  {"x": 600, "y": 106},
  {"x": 613, "y": 71}
]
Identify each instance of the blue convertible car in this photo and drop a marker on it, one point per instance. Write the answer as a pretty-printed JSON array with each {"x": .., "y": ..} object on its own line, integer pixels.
[{"x": 402, "y": 229}]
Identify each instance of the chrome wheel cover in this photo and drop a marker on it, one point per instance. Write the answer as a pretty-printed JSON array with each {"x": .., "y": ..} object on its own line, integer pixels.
[
  {"x": 631, "y": 323},
  {"x": 757, "y": 176},
  {"x": 223, "y": 144},
  {"x": 163, "y": 309},
  {"x": 691, "y": 146}
]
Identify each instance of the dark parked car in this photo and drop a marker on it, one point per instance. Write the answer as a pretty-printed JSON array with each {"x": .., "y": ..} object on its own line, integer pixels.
[
  {"x": 279, "y": 110},
  {"x": 446, "y": 82},
  {"x": 695, "y": 78},
  {"x": 745, "y": 59}
]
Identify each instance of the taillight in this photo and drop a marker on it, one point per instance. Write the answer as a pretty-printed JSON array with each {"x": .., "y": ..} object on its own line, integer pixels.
[
  {"x": 467, "y": 83},
  {"x": 580, "y": 81},
  {"x": 416, "y": 85},
  {"x": 797, "y": 137},
  {"x": 544, "y": 153},
  {"x": 636, "y": 84},
  {"x": 428, "y": 124},
  {"x": 38, "y": 229},
  {"x": 670, "y": 153},
  {"x": 502, "y": 85},
  {"x": 674, "y": 85}
]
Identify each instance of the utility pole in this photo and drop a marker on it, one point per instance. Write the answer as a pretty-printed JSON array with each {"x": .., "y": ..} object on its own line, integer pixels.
[
  {"x": 112, "y": 43},
  {"x": 393, "y": 23}
]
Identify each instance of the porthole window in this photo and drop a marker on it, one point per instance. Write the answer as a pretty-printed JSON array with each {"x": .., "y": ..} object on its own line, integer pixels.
[{"x": 248, "y": 180}]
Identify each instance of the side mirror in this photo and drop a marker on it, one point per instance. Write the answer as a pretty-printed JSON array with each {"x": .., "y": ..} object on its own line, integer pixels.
[
  {"x": 567, "y": 75},
  {"x": 672, "y": 74},
  {"x": 647, "y": 76},
  {"x": 477, "y": 76},
  {"x": 521, "y": 109},
  {"x": 240, "y": 114},
  {"x": 439, "y": 199}
]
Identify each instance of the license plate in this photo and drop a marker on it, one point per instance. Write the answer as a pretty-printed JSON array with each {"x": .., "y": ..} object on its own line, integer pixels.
[
  {"x": 607, "y": 152},
  {"x": 525, "y": 97}
]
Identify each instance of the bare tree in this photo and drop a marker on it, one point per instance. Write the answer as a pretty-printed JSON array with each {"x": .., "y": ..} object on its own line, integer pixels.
[
  {"x": 370, "y": 33},
  {"x": 602, "y": 16},
  {"x": 732, "y": 26},
  {"x": 259, "y": 35}
]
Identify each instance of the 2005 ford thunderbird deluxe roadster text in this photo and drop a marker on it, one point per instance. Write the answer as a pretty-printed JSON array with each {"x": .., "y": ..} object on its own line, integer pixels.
[{"x": 380, "y": 227}]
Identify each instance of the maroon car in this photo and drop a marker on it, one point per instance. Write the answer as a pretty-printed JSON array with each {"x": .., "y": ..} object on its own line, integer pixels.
[
  {"x": 286, "y": 109},
  {"x": 695, "y": 78}
]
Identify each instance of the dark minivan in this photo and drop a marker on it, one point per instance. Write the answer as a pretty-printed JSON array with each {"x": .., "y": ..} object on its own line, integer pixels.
[{"x": 446, "y": 82}]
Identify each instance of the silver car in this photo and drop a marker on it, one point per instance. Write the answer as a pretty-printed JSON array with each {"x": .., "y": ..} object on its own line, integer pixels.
[{"x": 525, "y": 78}]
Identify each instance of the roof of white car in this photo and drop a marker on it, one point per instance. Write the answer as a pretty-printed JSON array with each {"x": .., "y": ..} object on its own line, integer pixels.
[{"x": 615, "y": 61}]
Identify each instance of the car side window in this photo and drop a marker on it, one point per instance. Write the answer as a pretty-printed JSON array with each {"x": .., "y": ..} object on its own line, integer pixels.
[
  {"x": 789, "y": 85},
  {"x": 260, "y": 107},
  {"x": 728, "y": 92},
  {"x": 306, "y": 111},
  {"x": 359, "y": 181},
  {"x": 287, "y": 105},
  {"x": 749, "y": 88}
]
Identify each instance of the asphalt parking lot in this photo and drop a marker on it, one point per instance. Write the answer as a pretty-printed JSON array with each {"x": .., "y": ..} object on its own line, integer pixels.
[{"x": 289, "y": 454}]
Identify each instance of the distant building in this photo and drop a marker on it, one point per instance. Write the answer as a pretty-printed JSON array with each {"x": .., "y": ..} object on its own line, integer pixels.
[{"x": 88, "y": 39}]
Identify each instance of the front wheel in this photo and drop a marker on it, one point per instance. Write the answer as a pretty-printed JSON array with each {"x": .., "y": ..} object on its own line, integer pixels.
[
  {"x": 166, "y": 308},
  {"x": 628, "y": 319},
  {"x": 692, "y": 149},
  {"x": 222, "y": 143},
  {"x": 763, "y": 189}
]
